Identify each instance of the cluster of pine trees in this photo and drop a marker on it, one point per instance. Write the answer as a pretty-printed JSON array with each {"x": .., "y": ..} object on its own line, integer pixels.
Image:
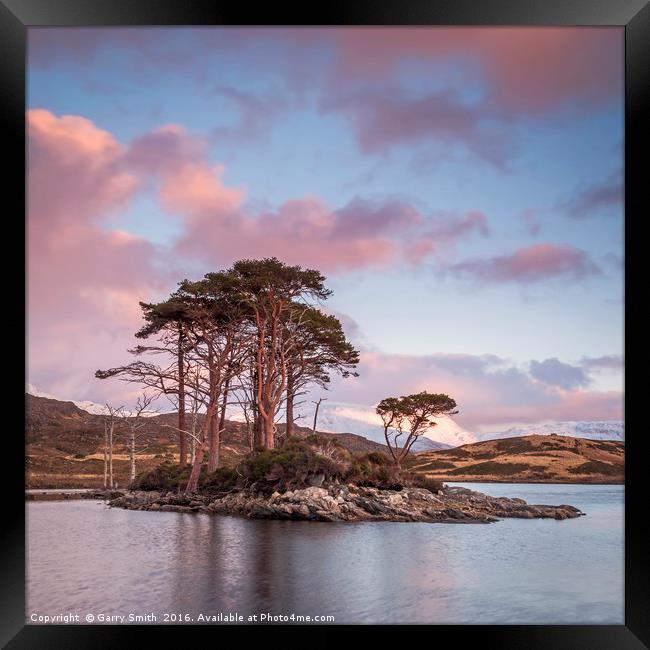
[{"x": 251, "y": 335}]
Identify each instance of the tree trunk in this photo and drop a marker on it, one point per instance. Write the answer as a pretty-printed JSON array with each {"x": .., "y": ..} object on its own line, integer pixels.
[
  {"x": 215, "y": 435},
  {"x": 316, "y": 415},
  {"x": 193, "y": 443},
  {"x": 258, "y": 438},
  {"x": 224, "y": 403},
  {"x": 257, "y": 419},
  {"x": 219, "y": 432},
  {"x": 193, "y": 481},
  {"x": 181, "y": 399},
  {"x": 105, "y": 456},
  {"x": 269, "y": 432},
  {"x": 132, "y": 454},
  {"x": 110, "y": 456},
  {"x": 290, "y": 396}
]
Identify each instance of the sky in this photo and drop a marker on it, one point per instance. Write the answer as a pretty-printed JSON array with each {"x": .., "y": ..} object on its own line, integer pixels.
[{"x": 460, "y": 188}]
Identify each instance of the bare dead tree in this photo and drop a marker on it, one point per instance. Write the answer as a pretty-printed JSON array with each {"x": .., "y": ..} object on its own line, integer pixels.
[
  {"x": 134, "y": 421},
  {"x": 245, "y": 405},
  {"x": 320, "y": 399},
  {"x": 114, "y": 417},
  {"x": 156, "y": 380},
  {"x": 244, "y": 395},
  {"x": 196, "y": 392},
  {"x": 105, "y": 454}
]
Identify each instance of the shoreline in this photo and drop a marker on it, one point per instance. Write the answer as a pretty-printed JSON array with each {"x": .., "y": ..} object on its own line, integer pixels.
[
  {"x": 31, "y": 491},
  {"x": 71, "y": 494}
]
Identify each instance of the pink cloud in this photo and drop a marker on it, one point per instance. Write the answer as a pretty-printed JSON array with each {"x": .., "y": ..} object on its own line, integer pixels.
[
  {"x": 196, "y": 189},
  {"x": 83, "y": 280},
  {"x": 69, "y": 155},
  {"x": 527, "y": 69},
  {"x": 219, "y": 229},
  {"x": 76, "y": 178},
  {"x": 302, "y": 231},
  {"x": 532, "y": 264},
  {"x": 307, "y": 231},
  {"x": 188, "y": 184}
]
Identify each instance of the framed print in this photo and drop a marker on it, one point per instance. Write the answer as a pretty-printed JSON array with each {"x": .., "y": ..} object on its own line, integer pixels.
[{"x": 326, "y": 318}]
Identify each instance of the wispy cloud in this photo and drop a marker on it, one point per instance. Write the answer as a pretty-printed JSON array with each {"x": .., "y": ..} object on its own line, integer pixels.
[
  {"x": 603, "y": 198},
  {"x": 609, "y": 362},
  {"x": 530, "y": 265}
]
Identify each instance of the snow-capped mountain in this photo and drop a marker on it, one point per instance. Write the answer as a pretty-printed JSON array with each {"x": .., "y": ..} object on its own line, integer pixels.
[
  {"x": 89, "y": 407},
  {"x": 361, "y": 419},
  {"x": 337, "y": 417},
  {"x": 603, "y": 430}
]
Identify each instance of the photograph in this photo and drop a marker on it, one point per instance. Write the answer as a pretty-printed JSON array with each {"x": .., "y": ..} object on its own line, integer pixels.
[{"x": 325, "y": 325}]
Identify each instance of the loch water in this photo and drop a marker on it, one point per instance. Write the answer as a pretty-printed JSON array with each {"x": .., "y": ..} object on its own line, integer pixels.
[{"x": 86, "y": 558}]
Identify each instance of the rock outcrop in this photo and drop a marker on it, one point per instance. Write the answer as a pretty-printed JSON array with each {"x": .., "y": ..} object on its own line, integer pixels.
[{"x": 352, "y": 503}]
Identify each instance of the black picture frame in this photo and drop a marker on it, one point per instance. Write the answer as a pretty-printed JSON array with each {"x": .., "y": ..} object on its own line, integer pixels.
[{"x": 634, "y": 15}]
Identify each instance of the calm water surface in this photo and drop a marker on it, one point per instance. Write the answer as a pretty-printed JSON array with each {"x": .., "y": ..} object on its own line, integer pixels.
[{"x": 86, "y": 558}]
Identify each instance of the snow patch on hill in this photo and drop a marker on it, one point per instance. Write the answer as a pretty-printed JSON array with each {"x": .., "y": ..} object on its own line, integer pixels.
[
  {"x": 89, "y": 407},
  {"x": 594, "y": 430}
]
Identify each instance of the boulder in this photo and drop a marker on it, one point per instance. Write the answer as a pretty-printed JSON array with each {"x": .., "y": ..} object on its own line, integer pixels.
[{"x": 316, "y": 480}]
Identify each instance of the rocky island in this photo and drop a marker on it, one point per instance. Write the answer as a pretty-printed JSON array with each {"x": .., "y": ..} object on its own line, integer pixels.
[
  {"x": 318, "y": 480},
  {"x": 352, "y": 503}
]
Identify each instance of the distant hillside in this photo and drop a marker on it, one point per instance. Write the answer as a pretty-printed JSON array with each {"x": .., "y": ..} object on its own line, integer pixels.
[
  {"x": 530, "y": 459},
  {"x": 64, "y": 448},
  {"x": 64, "y": 444}
]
